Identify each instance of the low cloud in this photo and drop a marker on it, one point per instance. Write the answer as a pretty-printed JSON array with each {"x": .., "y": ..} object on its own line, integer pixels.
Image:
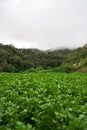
[{"x": 43, "y": 24}]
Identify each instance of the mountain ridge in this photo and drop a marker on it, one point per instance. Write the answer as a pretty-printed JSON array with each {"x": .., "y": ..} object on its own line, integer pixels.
[{"x": 13, "y": 59}]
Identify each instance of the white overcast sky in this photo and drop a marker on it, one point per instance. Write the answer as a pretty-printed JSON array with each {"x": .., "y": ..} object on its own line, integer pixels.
[{"x": 43, "y": 24}]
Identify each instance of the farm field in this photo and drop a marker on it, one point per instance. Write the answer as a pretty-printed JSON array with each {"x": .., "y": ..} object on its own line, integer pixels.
[{"x": 43, "y": 101}]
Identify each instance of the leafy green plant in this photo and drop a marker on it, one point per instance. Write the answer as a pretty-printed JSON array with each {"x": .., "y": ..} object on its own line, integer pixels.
[{"x": 43, "y": 101}]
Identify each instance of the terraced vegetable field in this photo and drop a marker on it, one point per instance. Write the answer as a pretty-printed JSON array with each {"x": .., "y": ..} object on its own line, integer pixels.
[{"x": 43, "y": 101}]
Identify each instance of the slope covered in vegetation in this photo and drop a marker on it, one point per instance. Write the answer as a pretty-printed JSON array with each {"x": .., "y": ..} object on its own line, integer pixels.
[
  {"x": 16, "y": 60},
  {"x": 78, "y": 59}
]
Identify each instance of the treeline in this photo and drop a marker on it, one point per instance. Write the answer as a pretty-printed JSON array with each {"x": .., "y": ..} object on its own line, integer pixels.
[
  {"x": 16, "y": 60},
  {"x": 62, "y": 60}
]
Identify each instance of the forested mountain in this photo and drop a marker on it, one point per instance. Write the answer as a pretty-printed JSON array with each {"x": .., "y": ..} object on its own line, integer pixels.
[
  {"x": 78, "y": 59},
  {"x": 17, "y": 60}
]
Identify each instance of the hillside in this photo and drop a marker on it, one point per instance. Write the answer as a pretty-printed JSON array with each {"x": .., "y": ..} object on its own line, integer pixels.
[
  {"x": 17, "y": 60},
  {"x": 78, "y": 59}
]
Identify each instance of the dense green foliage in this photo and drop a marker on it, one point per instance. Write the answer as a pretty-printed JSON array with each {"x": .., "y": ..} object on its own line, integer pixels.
[
  {"x": 78, "y": 59},
  {"x": 43, "y": 101},
  {"x": 16, "y": 60}
]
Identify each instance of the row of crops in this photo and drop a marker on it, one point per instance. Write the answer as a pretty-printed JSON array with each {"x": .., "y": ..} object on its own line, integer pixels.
[{"x": 43, "y": 101}]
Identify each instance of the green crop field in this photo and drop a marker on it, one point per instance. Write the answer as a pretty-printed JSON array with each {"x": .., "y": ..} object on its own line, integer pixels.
[{"x": 43, "y": 101}]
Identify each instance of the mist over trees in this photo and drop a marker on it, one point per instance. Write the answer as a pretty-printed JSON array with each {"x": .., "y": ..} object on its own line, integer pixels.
[{"x": 17, "y": 60}]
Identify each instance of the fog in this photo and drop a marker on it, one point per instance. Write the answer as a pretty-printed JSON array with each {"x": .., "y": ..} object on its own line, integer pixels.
[{"x": 43, "y": 24}]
